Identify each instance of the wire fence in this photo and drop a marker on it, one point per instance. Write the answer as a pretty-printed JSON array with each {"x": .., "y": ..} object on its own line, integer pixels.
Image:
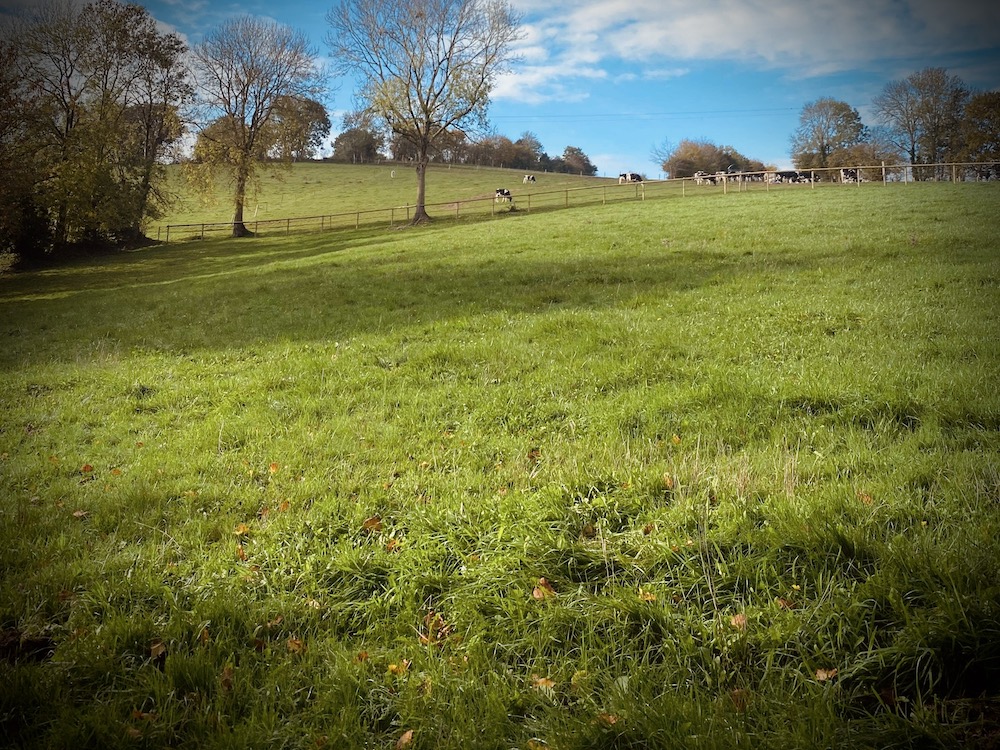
[{"x": 529, "y": 200}]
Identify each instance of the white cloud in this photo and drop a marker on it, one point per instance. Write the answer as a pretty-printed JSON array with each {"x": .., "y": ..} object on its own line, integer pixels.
[{"x": 802, "y": 39}]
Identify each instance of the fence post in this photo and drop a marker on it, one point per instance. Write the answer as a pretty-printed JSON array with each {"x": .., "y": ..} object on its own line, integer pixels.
[
  {"x": 884, "y": 182},
  {"x": 288, "y": 226}
]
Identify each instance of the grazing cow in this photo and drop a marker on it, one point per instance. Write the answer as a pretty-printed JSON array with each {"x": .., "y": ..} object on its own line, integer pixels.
[
  {"x": 704, "y": 178},
  {"x": 629, "y": 177},
  {"x": 848, "y": 175},
  {"x": 528, "y": 178},
  {"x": 503, "y": 196},
  {"x": 786, "y": 177}
]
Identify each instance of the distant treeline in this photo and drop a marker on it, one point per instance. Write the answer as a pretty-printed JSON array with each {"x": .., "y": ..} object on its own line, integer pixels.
[
  {"x": 360, "y": 143},
  {"x": 931, "y": 117}
]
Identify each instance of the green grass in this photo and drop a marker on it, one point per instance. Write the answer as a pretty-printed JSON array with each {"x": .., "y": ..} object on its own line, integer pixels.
[
  {"x": 300, "y": 492},
  {"x": 324, "y": 189}
]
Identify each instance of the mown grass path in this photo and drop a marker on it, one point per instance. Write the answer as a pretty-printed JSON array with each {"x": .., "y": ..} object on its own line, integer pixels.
[{"x": 686, "y": 473}]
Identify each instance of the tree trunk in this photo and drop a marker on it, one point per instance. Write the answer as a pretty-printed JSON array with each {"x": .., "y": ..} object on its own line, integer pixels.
[
  {"x": 239, "y": 228},
  {"x": 420, "y": 213}
]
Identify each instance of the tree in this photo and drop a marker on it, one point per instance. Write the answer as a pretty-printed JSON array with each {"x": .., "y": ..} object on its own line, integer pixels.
[
  {"x": 981, "y": 127},
  {"x": 924, "y": 114},
  {"x": 301, "y": 126},
  {"x": 825, "y": 127},
  {"x": 247, "y": 68},
  {"x": 690, "y": 156},
  {"x": 105, "y": 87},
  {"x": 424, "y": 67},
  {"x": 357, "y": 145},
  {"x": 897, "y": 107},
  {"x": 942, "y": 99},
  {"x": 577, "y": 162},
  {"x": 19, "y": 233},
  {"x": 530, "y": 151}
]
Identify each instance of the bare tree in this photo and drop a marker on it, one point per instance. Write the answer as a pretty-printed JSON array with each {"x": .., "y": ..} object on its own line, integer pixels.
[
  {"x": 898, "y": 107},
  {"x": 924, "y": 113},
  {"x": 246, "y": 67},
  {"x": 424, "y": 67}
]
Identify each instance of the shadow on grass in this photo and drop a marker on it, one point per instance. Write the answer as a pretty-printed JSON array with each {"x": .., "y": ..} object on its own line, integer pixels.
[{"x": 308, "y": 288}]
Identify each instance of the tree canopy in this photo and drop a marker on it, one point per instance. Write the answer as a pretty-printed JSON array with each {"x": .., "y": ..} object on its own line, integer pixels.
[
  {"x": 94, "y": 96},
  {"x": 690, "y": 156},
  {"x": 826, "y": 126}
]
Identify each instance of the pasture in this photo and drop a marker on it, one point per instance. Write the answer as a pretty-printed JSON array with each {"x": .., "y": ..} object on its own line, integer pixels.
[
  {"x": 705, "y": 473},
  {"x": 317, "y": 189}
]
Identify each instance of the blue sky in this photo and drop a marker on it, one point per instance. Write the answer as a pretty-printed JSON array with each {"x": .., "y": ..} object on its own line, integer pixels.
[{"x": 618, "y": 78}]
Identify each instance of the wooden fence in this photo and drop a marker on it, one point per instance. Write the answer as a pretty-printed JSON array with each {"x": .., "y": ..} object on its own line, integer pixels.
[{"x": 602, "y": 194}]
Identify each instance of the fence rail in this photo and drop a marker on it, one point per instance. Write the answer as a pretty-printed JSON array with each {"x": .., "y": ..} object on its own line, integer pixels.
[{"x": 610, "y": 192}]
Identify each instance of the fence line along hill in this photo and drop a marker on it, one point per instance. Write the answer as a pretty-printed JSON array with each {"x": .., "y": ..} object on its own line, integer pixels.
[{"x": 324, "y": 196}]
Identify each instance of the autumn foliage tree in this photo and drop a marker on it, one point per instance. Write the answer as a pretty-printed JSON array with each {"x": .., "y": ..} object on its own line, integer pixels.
[
  {"x": 690, "y": 156},
  {"x": 97, "y": 92},
  {"x": 981, "y": 127}
]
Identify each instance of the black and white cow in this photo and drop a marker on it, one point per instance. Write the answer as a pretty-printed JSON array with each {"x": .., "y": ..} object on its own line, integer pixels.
[
  {"x": 848, "y": 175},
  {"x": 629, "y": 177},
  {"x": 703, "y": 178},
  {"x": 503, "y": 196},
  {"x": 786, "y": 176},
  {"x": 528, "y": 178}
]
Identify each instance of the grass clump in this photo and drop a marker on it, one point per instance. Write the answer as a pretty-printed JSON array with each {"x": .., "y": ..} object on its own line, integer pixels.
[{"x": 702, "y": 472}]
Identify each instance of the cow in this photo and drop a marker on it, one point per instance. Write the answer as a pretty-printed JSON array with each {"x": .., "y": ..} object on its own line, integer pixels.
[
  {"x": 503, "y": 196},
  {"x": 704, "y": 178},
  {"x": 528, "y": 178},
  {"x": 849, "y": 175},
  {"x": 629, "y": 177},
  {"x": 786, "y": 177}
]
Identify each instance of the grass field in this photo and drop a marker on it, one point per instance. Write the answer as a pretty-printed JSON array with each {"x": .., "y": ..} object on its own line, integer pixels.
[
  {"x": 340, "y": 190},
  {"x": 706, "y": 473}
]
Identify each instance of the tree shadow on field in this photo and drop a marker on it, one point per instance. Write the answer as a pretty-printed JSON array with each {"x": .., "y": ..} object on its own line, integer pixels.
[
  {"x": 178, "y": 263},
  {"x": 312, "y": 288}
]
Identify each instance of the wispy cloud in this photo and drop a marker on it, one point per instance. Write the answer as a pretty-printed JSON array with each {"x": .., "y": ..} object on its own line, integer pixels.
[{"x": 800, "y": 39}]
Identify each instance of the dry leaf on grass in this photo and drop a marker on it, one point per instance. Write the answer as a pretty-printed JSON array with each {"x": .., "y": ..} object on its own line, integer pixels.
[{"x": 543, "y": 590}]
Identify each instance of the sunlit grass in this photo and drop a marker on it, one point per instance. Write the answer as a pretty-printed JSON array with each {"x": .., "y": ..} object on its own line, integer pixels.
[{"x": 303, "y": 491}]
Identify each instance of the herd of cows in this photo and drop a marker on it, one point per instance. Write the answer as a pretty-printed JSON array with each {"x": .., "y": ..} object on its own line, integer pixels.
[{"x": 981, "y": 172}]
